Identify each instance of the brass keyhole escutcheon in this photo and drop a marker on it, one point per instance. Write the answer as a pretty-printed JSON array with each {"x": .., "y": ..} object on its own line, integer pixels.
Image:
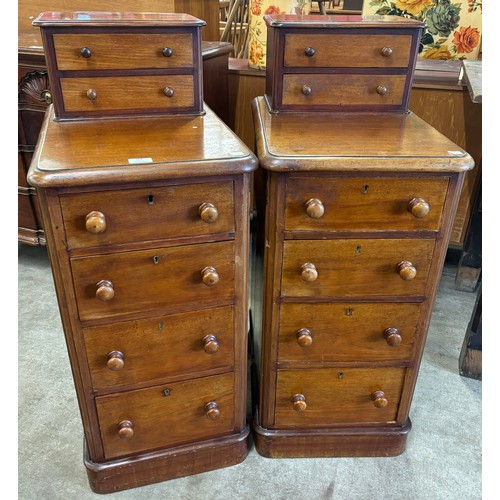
[
  {"x": 348, "y": 312},
  {"x": 151, "y": 199},
  {"x": 156, "y": 259},
  {"x": 358, "y": 249},
  {"x": 166, "y": 392},
  {"x": 365, "y": 188}
]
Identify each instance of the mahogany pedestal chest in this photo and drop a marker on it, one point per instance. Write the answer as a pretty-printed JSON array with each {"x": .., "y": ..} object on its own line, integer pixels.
[
  {"x": 147, "y": 232},
  {"x": 355, "y": 213}
]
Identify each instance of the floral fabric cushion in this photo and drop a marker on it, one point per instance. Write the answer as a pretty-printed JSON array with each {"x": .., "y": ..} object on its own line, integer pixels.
[{"x": 453, "y": 26}]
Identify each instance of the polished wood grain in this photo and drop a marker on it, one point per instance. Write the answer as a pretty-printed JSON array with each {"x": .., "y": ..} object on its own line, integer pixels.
[
  {"x": 341, "y": 90},
  {"x": 151, "y": 277},
  {"x": 160, "y": 347},
  {"x": 364, "y": 267},
  {"x": 123, "y": 51},
  {"x": 336, "y": 396},
  {"x": 362, "y": 142},
  {"x": 363, "y": 203},
  {"x": 168, "y": 463},
  {"x": 170, "y": 147},
  {"x": 354, "y": 441},
  {"x": 152, "y": 213},
  {"x": 335, "y": 50},
  {"x": 129, "y": 93},
  {"x": 166, "y": 415},
  {"x": 303, "y": 171},
  {"x": 352, "y": 332}
]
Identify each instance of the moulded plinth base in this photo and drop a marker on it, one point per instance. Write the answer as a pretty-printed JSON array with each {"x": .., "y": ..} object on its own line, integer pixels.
[
  {"x": 167, "y": 464},
  {"x": 331, "y": 442}
]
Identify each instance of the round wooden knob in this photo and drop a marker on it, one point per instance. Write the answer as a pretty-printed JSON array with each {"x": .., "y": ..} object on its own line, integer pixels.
[
  {"x": 304, "y": 337},
  {"x": 299, "y": 403},
  {"x": 115, "y": 361},
  {"x": 212, "y": 410},
  {"x": 168, "y": 91},
  {"x": 309, "y": 51},
  {"x": 167, "y": 51},
  {"x": 105, "y": 290},
  {"x": 85, "y": 52},
  {"x": 210, "y": 344},
  {"x": 210, "y": 276},
  {"x": 381, "y": 90},
  {"x": 306, "y": 90},
  {"x": 386, "y": 51},
  {"x": 91, "y": 94},
  {"x": 125, "y": 429},
  {"x": 95, "y": 222},
  {"x": 406, "y": 270},
  {"x": 208, "y": 212},
  {"x": 308, "y": 272},
  {"x": 315, "y": 208},
  {"x": 379, "y": 399},
  {"x": 419, "y": 207},
  {"x": 392, "y": 337}
]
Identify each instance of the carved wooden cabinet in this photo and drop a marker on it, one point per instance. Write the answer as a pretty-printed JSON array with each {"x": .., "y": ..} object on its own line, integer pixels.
[
  {"x": 147, "y": 231},
  {"x": 355, "y": 214}
]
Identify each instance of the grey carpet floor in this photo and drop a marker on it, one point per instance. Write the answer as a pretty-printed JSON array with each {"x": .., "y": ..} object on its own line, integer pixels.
[{"x": 442, "y": 459}]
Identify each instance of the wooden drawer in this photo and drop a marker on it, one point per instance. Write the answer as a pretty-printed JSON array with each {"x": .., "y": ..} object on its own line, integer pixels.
[
  {"x": 336, "y": 51},
  {"x": 166, "y": 280},
  {"x": 337, "y": 396},
  {"x": 165, "y": 415},
  {"x": 347, "y": 332},
  {"x": 127, "y": 93},
  {"x": 131, "y": 352},
  {"x": 147, "y": 214},
  {"x": 343, "y": 89},
  {"x": 357, "y": 267},
  {"x": 123, "y": 51},
  {"x": 364, "y": 204}
]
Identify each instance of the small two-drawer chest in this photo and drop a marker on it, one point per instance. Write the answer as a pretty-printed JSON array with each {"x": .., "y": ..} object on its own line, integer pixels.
[
  {"x": 355, "y": 215},
  {"x": 340, "y": 63},
  {"x": 114, "y": 63},
  {"x": 146, "y": 219}
]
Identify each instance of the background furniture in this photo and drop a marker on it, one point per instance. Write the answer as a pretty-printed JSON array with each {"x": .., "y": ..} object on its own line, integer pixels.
[
  {"x": 146, "y": 220},
  {"x": 468, "y": 275}
]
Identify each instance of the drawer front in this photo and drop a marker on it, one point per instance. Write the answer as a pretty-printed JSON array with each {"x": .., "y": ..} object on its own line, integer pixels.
[
  {"x": 167, "y": 346},
  {"x": 166, "y": 415},
  {"x": 355, "y": 267},
  {"x": 168, "y": 279},
  {"x": 347, "y": 332},
  {"x": 336, "y": 51},
  {"x": 122, "y": 51},
  {"x": 364, "y": 204},
  {"x": 127, "y": 93},
  {"x": 111, "y": 217},
  {"x": 343, "y": 90},
  {"x": 337, "y": 396}
]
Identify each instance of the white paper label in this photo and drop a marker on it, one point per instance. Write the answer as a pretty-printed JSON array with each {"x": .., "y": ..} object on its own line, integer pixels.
[{"x": 135, "y": 161}]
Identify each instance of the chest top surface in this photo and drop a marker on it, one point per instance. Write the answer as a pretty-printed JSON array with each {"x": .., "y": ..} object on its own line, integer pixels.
[
  {"x": 339, "y": 21},
  {"x": 114, "y": 19},
  {"x": 350, "y": 141},
  {"x": 142, "y": 149}
]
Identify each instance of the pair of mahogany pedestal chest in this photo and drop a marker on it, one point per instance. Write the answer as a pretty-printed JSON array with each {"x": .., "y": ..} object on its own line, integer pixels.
[{"x": 145, "y": 197}]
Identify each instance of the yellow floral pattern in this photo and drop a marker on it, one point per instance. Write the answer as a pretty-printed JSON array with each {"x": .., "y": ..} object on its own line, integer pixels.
[
  {"x": 257, "y": 30},
  {"x": 453, "y": 27}
]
